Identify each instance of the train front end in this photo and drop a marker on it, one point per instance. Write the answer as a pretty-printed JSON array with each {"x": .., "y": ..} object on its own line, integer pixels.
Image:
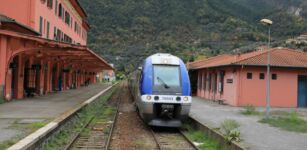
[{"x": 165, "y": 98}]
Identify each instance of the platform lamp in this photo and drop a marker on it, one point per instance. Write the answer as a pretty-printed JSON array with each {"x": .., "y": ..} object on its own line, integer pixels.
[{"x": 268, "y": 23}]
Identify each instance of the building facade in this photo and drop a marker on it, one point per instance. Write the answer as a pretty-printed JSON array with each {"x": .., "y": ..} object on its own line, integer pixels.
[
  {"x": 43, "y": 48},
  {"x": 61, "y": 20},
  {"x": 240, "y": 80}
]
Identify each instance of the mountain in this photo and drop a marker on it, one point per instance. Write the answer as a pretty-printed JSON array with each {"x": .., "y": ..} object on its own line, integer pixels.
[{"x": 126, "y": 31}]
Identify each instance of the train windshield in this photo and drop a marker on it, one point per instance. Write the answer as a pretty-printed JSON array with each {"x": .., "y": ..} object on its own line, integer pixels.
[{"x": 166, "y": 78}]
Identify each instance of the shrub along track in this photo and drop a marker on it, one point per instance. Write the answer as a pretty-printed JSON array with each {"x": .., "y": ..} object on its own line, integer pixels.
[{"x": 130, "y": 132}]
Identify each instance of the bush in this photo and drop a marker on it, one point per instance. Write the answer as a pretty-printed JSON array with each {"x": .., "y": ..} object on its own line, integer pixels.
[
  {"x": 230, "y": 129},
  {"x": 249, "y": 110}
]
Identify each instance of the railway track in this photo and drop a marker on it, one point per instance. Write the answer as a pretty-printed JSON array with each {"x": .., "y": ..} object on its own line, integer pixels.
[
  {"x": 171, "y": 139},
  {"x": 101, "y": 135},
  {"x": 96, "y": 135}
]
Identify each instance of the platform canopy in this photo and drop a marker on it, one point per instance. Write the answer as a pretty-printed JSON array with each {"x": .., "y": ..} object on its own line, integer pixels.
[{"x": 45, "y": 49}]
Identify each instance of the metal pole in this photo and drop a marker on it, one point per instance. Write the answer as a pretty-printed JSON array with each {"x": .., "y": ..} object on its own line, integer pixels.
[{"x": 268, "y": 77}]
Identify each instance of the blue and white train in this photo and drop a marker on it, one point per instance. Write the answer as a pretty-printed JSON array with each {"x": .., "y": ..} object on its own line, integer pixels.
[{"x": 162, "y": 91}]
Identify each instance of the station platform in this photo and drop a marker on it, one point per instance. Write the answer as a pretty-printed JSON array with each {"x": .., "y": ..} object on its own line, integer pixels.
[
  {"x": 41, "y": 109},
  {"x": 255, "y": 135}
]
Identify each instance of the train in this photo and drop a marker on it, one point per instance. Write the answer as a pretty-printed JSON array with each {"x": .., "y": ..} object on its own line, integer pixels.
[{"x": 161, "y": 90}]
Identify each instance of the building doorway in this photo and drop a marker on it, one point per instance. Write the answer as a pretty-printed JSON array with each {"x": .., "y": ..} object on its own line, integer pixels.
[
  {"x": 53, "y": 78},
  {"x": 302, "y": 91},
  {"x": 46, "y": 81},
  {"x": 14, "y": 82},
  {"x": 194, "y": 80}
]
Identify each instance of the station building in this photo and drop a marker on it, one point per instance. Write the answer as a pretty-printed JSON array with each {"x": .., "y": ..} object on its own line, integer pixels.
[
  {"x": 240, "y": 79},
  {"x": 43, "y": 48}
]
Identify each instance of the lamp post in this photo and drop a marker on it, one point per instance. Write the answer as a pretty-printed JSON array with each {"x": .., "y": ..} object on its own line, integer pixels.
[{"x": 268, "y": 23}]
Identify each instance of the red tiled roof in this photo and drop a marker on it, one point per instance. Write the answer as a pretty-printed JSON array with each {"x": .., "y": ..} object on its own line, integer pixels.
[{"x": 280, "y": 57}]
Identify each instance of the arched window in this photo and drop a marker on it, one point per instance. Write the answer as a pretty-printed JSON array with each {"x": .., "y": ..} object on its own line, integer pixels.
[{"x": 60, "y": 10}]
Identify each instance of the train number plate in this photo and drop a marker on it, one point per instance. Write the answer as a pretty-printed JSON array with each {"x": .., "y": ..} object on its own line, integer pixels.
[{"x": 167, "y": 98}]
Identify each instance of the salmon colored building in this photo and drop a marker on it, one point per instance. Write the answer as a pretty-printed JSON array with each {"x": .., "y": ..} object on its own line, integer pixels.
[
  {"x": 43, "y": 48},
  {"x": 240, "y": 79}
]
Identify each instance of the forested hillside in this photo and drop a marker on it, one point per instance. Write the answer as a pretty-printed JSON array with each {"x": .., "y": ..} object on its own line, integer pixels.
[{"x": 126, "y": 31}]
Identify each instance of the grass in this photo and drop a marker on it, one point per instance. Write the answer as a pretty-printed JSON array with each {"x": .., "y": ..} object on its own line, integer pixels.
[
  {"x": 289, "y": 122},
  {"x": 250, "y": 110},
  {"x": 36, "y": 125},
  {"x": 25, "y": 128},
  {"x": 8, "y": 143},
  {"x": 200, "y": 137}
]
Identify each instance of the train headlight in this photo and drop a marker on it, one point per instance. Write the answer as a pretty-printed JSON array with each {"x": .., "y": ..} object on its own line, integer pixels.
[
  {"x": 185, "y": 98},
  {"x": 148, "y": 98}
]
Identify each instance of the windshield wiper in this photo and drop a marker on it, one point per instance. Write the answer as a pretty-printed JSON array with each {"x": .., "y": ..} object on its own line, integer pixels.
[{"x": 165, "y": 85}]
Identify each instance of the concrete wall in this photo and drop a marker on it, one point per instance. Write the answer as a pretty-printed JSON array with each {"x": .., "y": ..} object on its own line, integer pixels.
[
  {"x": 230, "y": 92},
  {"x": 20, "y": 10},
  {"x": 284, "y": 90}
]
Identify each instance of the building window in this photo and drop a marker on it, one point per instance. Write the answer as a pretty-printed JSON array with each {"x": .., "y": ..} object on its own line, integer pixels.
[
  {"x": 60, "y": 11},
  {"x": 54, "y": 34},
  {"x": 274, "y": 76},
  {"x": 40, "y": 24},
  {"x": 48, "y": 28},
  {"x": 56, "y": 7},
  {"x": 59, "y": 35},
  {"x": 67, "y": 18},
  {"x": 249, "y": 75},
  {"x": 75, "y": 26},
  {"x": 63, "y": 15},
  {"x": 261, "y": 76},
  {"x": 50, "y": 3}
]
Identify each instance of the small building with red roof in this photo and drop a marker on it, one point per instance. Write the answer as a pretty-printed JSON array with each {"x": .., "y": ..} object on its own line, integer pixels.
[{"x": 240, "y": 79}]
